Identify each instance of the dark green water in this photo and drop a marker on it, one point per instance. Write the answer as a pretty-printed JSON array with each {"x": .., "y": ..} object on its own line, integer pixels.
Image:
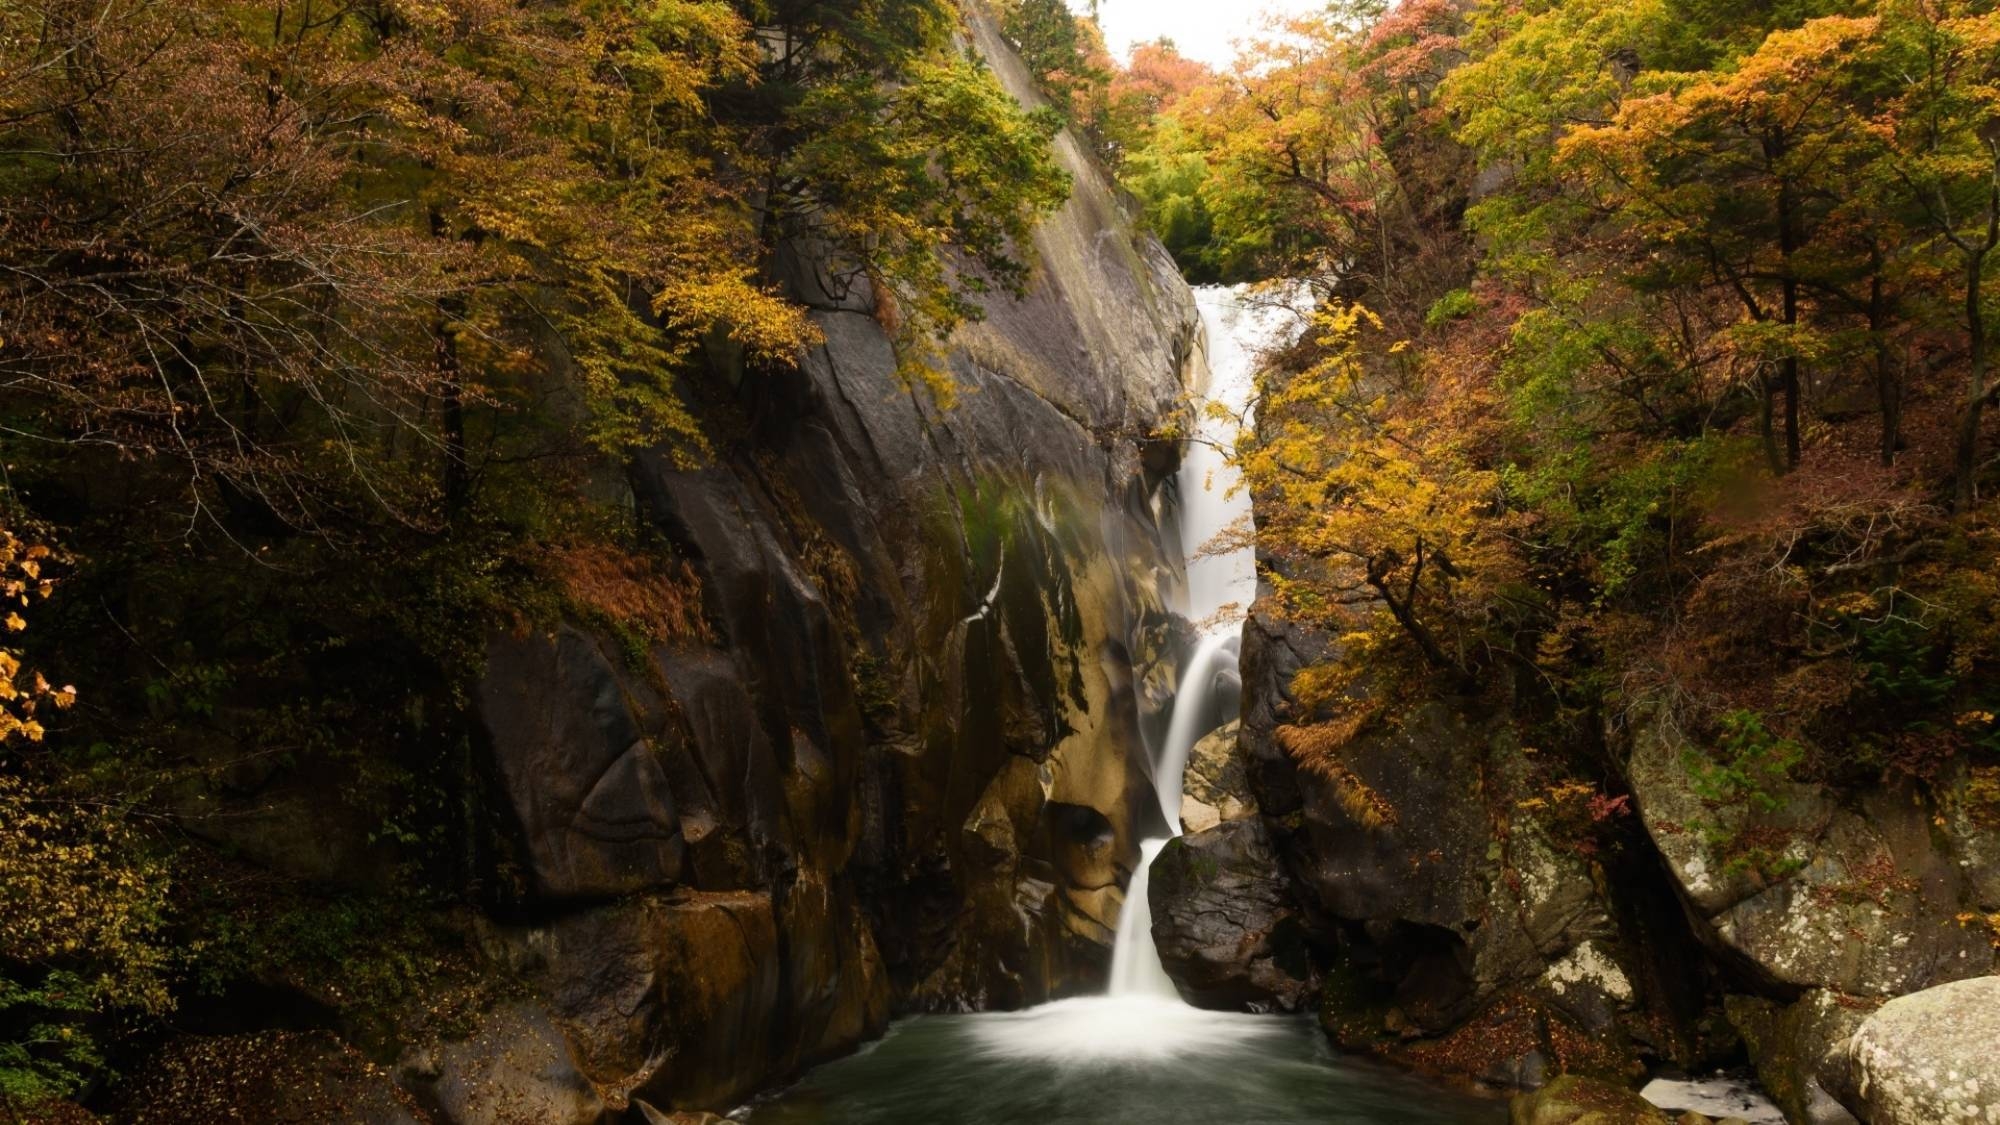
[{"x": 1034, "y": 1070}]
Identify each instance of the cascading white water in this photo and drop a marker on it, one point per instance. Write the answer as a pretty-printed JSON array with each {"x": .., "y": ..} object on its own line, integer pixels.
[
  {"x": 1136, "y": 969},
  {"x": 1143, "y": 1017},
  {"x": 1140, "y": 1054},
  {"x": 1217, "y": 539}
]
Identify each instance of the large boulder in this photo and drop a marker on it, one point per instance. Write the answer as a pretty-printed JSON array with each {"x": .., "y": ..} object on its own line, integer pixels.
[
  {"x": 1216, "y": 787},
  {"x": 1818, "y": 909},
  {"x": 1225, "y": 924},
  {"x": 1416, "y": 832},
  {"x": 595, "y": 812},
  {"x": 676, "y": 999},
  {"x": 1930, "y": 1058},
  {"x": 516, "y": 1068},
  {"x": 691, "y": 1001},
  {"x": 1800, "y": 892},
  {"x": 1801, "y": 1050}
]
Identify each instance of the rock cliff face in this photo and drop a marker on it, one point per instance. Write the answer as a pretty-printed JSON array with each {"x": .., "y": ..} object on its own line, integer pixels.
[
  {"x": 899, "y": 778},
  {"x": 1448, "y": 926},
  {"x": 1454, "y": 925},
  {"x": 1837, "y": 910}
]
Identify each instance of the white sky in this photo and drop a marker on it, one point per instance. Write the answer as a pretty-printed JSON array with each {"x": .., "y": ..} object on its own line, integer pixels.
[{"x": 1202, "y": 29}]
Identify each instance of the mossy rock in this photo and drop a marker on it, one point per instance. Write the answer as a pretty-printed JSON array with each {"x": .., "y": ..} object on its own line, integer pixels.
[{"x": 1576, "y": 1100}]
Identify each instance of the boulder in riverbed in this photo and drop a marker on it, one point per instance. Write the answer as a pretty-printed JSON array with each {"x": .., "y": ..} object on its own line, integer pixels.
[
  {"x": 516, "y": 1068},
  {"x": 1801, "y": 1050},
  {"x": 1931, "y": 1058},
  {"x": 1224, "y": 921}
]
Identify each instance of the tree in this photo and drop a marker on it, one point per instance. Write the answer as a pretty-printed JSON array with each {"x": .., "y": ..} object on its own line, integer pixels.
[
  {"x": 1143, "y": 93},
  {"x": 81, "y": 906},
  {"x": 1735, "y": 174},
  {"x": 1058, "y": 48},
  {"x": 931, "y": 187},
  {"x": 1941, "y": 148},
  {"x": 1297, "y": 150},
  {"x": 1372, "y": 505},
  {"x": 1313, "y": 165}
]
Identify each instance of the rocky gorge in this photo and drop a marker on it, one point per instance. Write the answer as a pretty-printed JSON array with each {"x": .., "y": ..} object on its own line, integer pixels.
[
  {"x": 1443, "y": 921},
  {"x": 905, "y": 770},
  {"x": 898, "y": 782}
]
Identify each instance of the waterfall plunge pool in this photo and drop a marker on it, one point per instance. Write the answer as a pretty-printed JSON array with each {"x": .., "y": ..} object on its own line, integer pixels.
[
  {"x": 1113, "y": 1061},
  {"x": 1140, "y": 1054}
]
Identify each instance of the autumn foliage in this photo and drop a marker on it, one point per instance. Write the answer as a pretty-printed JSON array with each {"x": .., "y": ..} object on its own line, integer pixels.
[
  {"x": 1652, "y": 373},
  {"x": 330, "y": 334}
]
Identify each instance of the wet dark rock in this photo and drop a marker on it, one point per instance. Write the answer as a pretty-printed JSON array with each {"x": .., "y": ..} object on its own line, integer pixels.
[
  {"x": 1086, "y": 846},
  {"x": 1224, "y": 922}
]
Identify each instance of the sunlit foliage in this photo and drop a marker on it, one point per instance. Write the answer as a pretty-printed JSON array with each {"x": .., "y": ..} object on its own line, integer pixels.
[{"x": 1672, "y": 393}]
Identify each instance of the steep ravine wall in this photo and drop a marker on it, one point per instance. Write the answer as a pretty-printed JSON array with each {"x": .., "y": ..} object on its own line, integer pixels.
[
  {"x": 899, "y": 778},
  {"x": 1452, "y": 922}
]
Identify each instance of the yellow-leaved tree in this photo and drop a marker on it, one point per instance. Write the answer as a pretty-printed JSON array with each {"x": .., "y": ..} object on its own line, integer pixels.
[{"x": 1386, "y": 526}]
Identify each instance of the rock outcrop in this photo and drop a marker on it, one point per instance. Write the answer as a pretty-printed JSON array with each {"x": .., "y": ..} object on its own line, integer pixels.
[
  {"x": 898, "y": 776},
  {"x": 1450, "y": 927},
  {"x": 1223, "y": 919},
  {"x": 1801, "y": 1050},
  {"x": 1808, "y": 894},
  {"x": 1463, "y": 918},
  {"x": 1819, "y": 911}
]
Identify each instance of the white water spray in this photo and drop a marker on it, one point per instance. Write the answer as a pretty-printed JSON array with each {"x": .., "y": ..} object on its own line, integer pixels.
[
  {"x": 1217, "y": 539},
  {"x": 1144, "y": 1017}
]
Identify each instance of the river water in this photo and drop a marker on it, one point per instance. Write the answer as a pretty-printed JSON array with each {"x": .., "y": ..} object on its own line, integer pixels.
[
  {"x": 1139, "y": 1053},
  {"x": 940, "y": 1070}
]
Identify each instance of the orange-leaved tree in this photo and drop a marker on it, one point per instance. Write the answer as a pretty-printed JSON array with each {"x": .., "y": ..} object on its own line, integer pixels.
[{"x": 1734, "y": 175}]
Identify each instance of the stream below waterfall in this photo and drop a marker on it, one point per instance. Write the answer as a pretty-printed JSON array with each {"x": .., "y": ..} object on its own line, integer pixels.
[
  {"x": 1231, "y": 1070},
  {"x": 1139, "y": 1053}
]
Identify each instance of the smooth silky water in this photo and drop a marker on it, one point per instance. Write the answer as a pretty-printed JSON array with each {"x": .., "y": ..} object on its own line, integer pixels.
[{"x": 1139, "y": 1053}]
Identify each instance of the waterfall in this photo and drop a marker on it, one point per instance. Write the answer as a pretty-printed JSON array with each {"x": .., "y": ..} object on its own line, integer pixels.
[
  {"x": 1217, "y": 539},
  {"x": 1144, "y": 1018}
]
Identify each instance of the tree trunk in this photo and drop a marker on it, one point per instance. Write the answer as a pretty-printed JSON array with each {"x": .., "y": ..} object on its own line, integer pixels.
[
  {"x": 1978, "y": 393},
  {"x": 1888, "y": 388},
  {"x": 1767, "y": 426},
  {"x": 1788, "y": 380},
  {"x": 1975, "y": 404},
  {"x": 457, "y": 476},
  {"x": 451, "y": 412},
  {"x": 1404, "y": 611}
]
